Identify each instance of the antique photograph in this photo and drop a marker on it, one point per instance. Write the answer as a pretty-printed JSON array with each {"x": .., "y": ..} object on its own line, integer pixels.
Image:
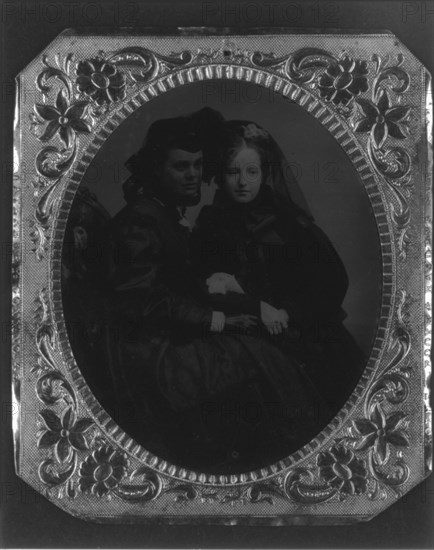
[
  {"x": 221, "y": 307},
  {"x": 221, "y": 277}
]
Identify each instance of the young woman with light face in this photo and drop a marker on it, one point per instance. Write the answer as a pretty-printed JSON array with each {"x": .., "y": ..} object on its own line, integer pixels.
[
  {"x": 259, "y": 249},
  {"x": 241, "y": 180},
  {"x": 243, "y": 175}
]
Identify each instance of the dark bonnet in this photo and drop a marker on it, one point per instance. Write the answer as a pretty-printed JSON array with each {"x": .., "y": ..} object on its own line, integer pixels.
[{"x": 196, "y": 132}]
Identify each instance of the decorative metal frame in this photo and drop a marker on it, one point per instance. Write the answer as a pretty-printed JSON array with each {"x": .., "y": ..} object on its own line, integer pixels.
[{"x": 374, "y": 97}]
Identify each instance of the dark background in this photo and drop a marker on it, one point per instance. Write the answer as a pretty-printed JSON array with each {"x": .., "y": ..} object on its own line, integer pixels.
[{"x": 26, "y": 28}]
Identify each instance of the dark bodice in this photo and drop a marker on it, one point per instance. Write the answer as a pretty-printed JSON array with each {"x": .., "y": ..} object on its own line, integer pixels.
[
  {"x": 151, "y": 275},
  {"x": 285, "y": 260}
]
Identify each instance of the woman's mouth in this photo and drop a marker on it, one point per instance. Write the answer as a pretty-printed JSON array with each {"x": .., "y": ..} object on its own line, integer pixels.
[{"x": 191, "y": 186}]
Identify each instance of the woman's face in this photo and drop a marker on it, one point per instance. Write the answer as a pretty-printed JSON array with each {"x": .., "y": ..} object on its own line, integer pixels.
[
  {"x": 243, "y": 176},
  {"x": 181, "y": 175}
]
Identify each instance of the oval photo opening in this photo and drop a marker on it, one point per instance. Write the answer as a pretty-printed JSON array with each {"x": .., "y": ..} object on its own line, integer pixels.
[{"x": 221, "y": 277}]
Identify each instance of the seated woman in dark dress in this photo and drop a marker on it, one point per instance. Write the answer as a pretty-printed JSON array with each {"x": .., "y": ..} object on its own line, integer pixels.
[
  {"x": 261, "y": 253},
  {"x": 196, "y": 395}
]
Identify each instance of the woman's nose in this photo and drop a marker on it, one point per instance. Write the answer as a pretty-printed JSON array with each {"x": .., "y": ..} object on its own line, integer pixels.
[
  {"x": 242, "y": 181},
  {"x": 192, "y": 172}
]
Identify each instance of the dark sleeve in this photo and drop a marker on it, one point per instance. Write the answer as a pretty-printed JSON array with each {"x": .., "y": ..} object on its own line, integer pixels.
[
  {"x": 313, "y": 280},
  {"x": 205, "y": 244},
  {"x": 210, "y": 255},
  {"x": 137, "y": 275},
  {"x": 233, "y": 303}
]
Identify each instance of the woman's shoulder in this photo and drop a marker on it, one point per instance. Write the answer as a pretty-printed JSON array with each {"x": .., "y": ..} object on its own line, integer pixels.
[
  {"x": 144, "y": 215},
  {"x": 148, "y": 206},
  {"x": 142, "y": 207}
]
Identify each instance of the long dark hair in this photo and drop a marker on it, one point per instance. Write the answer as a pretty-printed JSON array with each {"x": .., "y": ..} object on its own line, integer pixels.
[{"x": 193, "y": 133}]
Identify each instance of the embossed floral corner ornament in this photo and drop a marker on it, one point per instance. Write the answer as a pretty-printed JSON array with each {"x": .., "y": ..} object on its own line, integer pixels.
[{"x": 374, "y": 97}]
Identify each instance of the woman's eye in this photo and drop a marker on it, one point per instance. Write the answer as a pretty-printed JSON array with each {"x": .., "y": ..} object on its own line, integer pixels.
[
  {"x": 232, "y": 171},
  {"x": 180, "y": 166}
]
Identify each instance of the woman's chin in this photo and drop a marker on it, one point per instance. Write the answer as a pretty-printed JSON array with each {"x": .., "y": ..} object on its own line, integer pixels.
[
  {"x": 243, "y": 199},
  {"x": 191, "y": 200}
]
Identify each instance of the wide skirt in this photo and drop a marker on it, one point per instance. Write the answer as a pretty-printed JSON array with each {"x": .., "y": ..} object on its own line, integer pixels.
[{"x": 220, "y": 403}]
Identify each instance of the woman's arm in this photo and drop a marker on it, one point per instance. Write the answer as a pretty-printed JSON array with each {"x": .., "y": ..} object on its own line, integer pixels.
[
  {"x": 232, "y": 303},
  {"x": 210, "y": 253},
  {"x": 312, "y": 277},
  {"x": 137, "y": 275}
]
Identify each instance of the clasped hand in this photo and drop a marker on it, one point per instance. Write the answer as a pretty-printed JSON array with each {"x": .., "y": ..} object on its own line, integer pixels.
[
  {"x": 275, "y": 320},
  {"x": 242, "y": 321}
]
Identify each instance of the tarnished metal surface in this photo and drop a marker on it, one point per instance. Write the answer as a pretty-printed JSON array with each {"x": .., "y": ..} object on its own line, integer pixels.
[{"x": 380, "y": 113}]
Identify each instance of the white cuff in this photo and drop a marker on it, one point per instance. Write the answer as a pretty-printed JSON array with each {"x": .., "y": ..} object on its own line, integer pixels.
[{"x": 217, "y": 321}]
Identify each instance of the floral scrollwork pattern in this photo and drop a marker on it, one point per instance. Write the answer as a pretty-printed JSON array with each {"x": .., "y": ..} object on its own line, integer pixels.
[
  {"x": 382, "y": 119},
  {"x": 382, "y": 432},
  {"x": 61, "y": 433},
  {"x": 101, "y": 81},
  {"x": 64, "y": 433},
  {"x": 65, "y": 118},
  {"x": 343, "y": 80},
  {"x": 338, "y": 80},
  {"x": 338, "y": 473}
]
